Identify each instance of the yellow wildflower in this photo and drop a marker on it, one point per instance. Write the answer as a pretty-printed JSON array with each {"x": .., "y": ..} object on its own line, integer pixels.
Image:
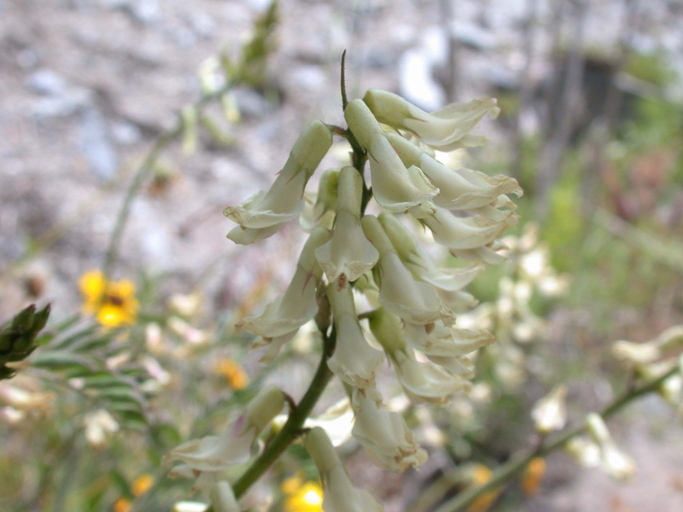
[
  {"x": 113, "y": 303},
  {"x": 233, "y": 373},
  {"x": 302, "y": 497},
  {"x": 122, "y": 505},
  {"x": 142, "y": 484},
  {"x": 480, "y": 476}
]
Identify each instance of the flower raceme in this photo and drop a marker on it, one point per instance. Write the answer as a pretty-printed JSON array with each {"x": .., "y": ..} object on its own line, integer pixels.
[{"x": 349, "y": 253}]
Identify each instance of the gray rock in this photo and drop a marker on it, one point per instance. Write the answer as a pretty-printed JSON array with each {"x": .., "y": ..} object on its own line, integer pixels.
[
  {"x": 473, "y": 35},
  {"x": 125, "y": 133},
  {"x": 144, "y": 11},
  {"x": 46, "y": 82},
  {"x": 62, "y": 105},
  {"x": 96, "y": 146}
]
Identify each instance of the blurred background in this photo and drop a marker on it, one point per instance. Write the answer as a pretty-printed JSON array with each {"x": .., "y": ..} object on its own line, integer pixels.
[{"x": 591, "y": 93}]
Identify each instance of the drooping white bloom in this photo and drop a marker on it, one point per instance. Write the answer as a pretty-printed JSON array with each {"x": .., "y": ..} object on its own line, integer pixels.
[
  {"x": 399, "y": 292},
  {"x": 550, "y": 412},
  {"x": 99, "y": 425},
  {"x": 459, "y": 189},
  {"x": 485, "y": 254},
  {"x": 426, "y": 381},
  {"x": 384, "y": 434},
  {"x": 223, "y": 498},
  {"x": 459, "y": 233},
  {"x": 282, "y": 318},
  {"x": 234, "y": 445},
  {"x": 265, "y": 211},
  {"x": 613, "y": 461},
  {"x": 354, "y": 361},
  {"x": 440, "y": 340},
  {"x": 420, "y": 264},
  {"x": 348, "y": 254},
  {"x": 395, "y": 187},
  {"x": 339, "y": 493},
  {"x": 337, "y": 421},
  {"x": 445, "y": 130}
]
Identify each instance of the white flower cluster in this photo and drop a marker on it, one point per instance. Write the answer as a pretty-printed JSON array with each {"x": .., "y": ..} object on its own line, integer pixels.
[{"x": 412, "y": 320}]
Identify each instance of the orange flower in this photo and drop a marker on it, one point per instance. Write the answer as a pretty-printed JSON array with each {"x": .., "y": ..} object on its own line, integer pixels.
[
  {"x": 122, "y": 505},
  {"x": 142, "y": 484},
  {"x": 533, "y": 476},
  {"x": 480, "y": 476},
  {"x": 233, "y": 373}
]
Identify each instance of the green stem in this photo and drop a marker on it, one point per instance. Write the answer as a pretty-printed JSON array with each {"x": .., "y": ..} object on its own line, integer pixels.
[
  {"x": 518, "y": 463},
  {"x": 293, "y": 428},
  {"x": 141, "y": 173}
]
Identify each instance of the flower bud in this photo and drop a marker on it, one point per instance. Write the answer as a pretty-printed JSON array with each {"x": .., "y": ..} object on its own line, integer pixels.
[
  {"x": 348, "y": 255},
  {"x": 445, "y": 130},
  {"x": 550, "y": 412},
  {"x": 284, "y": 200},
  {"x": 394, "y": 187},
  {"x": 320, "y": 210}
]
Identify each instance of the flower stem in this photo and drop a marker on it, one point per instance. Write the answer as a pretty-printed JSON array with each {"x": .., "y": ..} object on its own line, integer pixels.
[
  {"x": 519, "y": 462},
  {"x": 293, "y": 428}
]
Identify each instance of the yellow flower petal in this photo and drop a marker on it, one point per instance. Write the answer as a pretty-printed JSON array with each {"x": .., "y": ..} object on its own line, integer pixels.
[
  {"x": 308, "y": 498},
  {"x": 533, "y": 476},
  {"x": 142, "y": 484}
]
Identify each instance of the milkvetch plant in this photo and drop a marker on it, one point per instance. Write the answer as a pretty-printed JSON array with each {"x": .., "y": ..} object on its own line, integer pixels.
[{"x": 361, "y": 243}]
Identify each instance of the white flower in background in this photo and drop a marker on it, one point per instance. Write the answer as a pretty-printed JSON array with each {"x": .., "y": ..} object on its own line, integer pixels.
[
  {"x": 550, "y": 412},
  {"x": 282, "y": 318},
  {"x": 613, "y": 461},
  {"x": 445, "y": 130},
  {"x": 384, "y": 434},
  {"x": 420, "y": 264},
  {"x": 395, "y": 187},
  {"x": 459, "y": 189},
  {"x": 190, "y": 506},
  {"x": 223, "y": 498},
  {"x": 584, "y": 451},
  {"x": 348, "y": 253},
  {"x": 284, "y": 200},
  {"x": 634, "y": 355},
  {"x": 99, "y": 427},
  {"x": 354, "y": 361},
  {"x": 212, "y": 454},
  {"x": 339, "y": 493},
  {"x": 319, "y": 209},
  {"x": 413, "y": 301},
  {"x": 23, "y": 399}
]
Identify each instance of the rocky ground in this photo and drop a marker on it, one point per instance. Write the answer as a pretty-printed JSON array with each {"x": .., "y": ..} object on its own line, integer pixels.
[{"x": 87, "y": 85}]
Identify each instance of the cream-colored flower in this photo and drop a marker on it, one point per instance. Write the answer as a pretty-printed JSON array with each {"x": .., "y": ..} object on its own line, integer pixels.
[
  {"x": 550, "y": 412},
  {"x": 384, "y": 434},
  {"x": 337, "y": 421},
  {"x": 445, "y": 341},
  {"x": 348, "y": 254},
  {"x": 282, "y": 318},
  {"x": 485, "y": 254},
  {"x": 99, "y": 427},
  {"x": 234, "y": 445},
  {"x": 399, "y": 292},
  {"x": 426, "y": 381},
  {"x": 223, "y": 498},
  {"x": 339, "y": 493},
  {"x": 613, "y": 461},
  {"x": 420, "y": 264},
  {"x": 284, "y": 200},
  {"x": 458, "y": 233},
  {"x": 459, "y": 189},
  {"x": 445, "y": 130},
  {"x": 354, "y": 361},
  {"x": 395, "y": 187}
]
